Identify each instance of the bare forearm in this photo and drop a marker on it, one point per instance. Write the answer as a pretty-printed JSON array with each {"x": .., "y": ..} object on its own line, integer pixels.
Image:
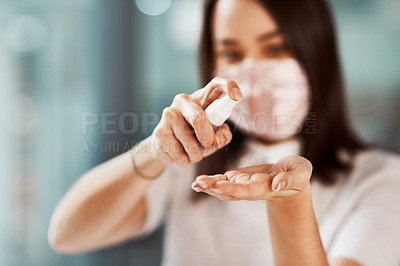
[
  {"x": 99, "y": 201},
  {"x": 294, "y": 231}
]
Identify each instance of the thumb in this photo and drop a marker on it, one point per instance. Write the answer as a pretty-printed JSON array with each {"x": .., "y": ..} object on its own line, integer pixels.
[
  {"x": 223, "y": 137},
  {"x": 291, "y": 173},
  {"x": 286, "y": 181}
]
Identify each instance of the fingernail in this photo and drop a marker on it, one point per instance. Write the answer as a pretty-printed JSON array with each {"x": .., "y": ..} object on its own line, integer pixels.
[
  {"x": 280, "y": 186},
  {"x": 237, "y": 94},
  {"x": 196, "y": 188},
  {"x": 283, "y": 184},
  {"x": 220, "y": 141},
  {"x": 217, "y": 141}
]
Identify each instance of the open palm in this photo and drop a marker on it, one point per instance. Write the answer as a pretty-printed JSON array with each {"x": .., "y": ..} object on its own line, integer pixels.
[{"x": 287, "y": 177}]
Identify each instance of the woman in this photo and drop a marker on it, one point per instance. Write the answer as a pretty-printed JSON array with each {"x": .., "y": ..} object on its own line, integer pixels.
[{"x": 300, "y": 188}]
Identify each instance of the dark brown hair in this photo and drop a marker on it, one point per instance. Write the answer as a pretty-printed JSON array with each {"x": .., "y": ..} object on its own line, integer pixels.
[{"x": 308, "y": 28}]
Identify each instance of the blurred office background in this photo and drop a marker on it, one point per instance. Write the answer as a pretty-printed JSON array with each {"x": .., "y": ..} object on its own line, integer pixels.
[{"x": 81, "y": 80}]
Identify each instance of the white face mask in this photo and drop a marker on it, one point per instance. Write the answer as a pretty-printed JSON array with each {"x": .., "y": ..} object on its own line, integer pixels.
[{"x": 276, "y": 97}]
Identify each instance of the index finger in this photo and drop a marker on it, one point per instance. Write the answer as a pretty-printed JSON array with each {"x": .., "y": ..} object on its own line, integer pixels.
[
  {"x": 198, "y": 120},
  {"x": 215, "y": 88}
]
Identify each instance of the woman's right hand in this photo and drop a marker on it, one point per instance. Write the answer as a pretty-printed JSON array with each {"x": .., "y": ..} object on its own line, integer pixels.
[{"x": 184, "y": 134}]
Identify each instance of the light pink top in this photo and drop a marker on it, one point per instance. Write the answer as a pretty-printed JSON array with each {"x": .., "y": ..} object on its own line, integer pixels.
[{"x": 358, "y": 218}]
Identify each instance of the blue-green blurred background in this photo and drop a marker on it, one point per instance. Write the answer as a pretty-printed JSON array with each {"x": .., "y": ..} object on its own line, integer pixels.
[{"x": 69, "y": 67}]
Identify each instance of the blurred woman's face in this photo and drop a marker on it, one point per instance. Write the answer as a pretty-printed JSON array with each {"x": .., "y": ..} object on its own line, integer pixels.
[
  {"x": 243, "y": 29},
  {"x": 250, "y": 49}
]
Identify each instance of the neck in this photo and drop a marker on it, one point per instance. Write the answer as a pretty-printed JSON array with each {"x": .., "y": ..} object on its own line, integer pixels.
[{"x": 271, "y": 141}]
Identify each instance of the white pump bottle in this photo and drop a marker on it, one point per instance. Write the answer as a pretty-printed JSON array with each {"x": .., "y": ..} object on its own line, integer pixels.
[{"x": 220, "y": 110}]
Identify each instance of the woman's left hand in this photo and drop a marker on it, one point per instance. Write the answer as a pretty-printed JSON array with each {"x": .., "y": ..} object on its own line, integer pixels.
[{"x": 287, "y": 177}]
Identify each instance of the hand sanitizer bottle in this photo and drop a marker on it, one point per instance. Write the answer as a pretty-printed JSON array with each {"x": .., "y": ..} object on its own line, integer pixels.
[{"x": 220, "y": 110}]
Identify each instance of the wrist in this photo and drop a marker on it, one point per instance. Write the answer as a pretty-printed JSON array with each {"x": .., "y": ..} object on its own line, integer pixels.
[
  {"x": 292, "y": 200},
  {"x": 146, "y": 160},
  {"x": 150, "y": 146}
]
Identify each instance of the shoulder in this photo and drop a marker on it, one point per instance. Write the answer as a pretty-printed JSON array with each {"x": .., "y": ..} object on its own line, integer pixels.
[
  {"x": 376, "y": 161},
  {"x": 374, "y": 169},
  {"x": 378, "y": 158},
  {"x": 365, "y": 210}
]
